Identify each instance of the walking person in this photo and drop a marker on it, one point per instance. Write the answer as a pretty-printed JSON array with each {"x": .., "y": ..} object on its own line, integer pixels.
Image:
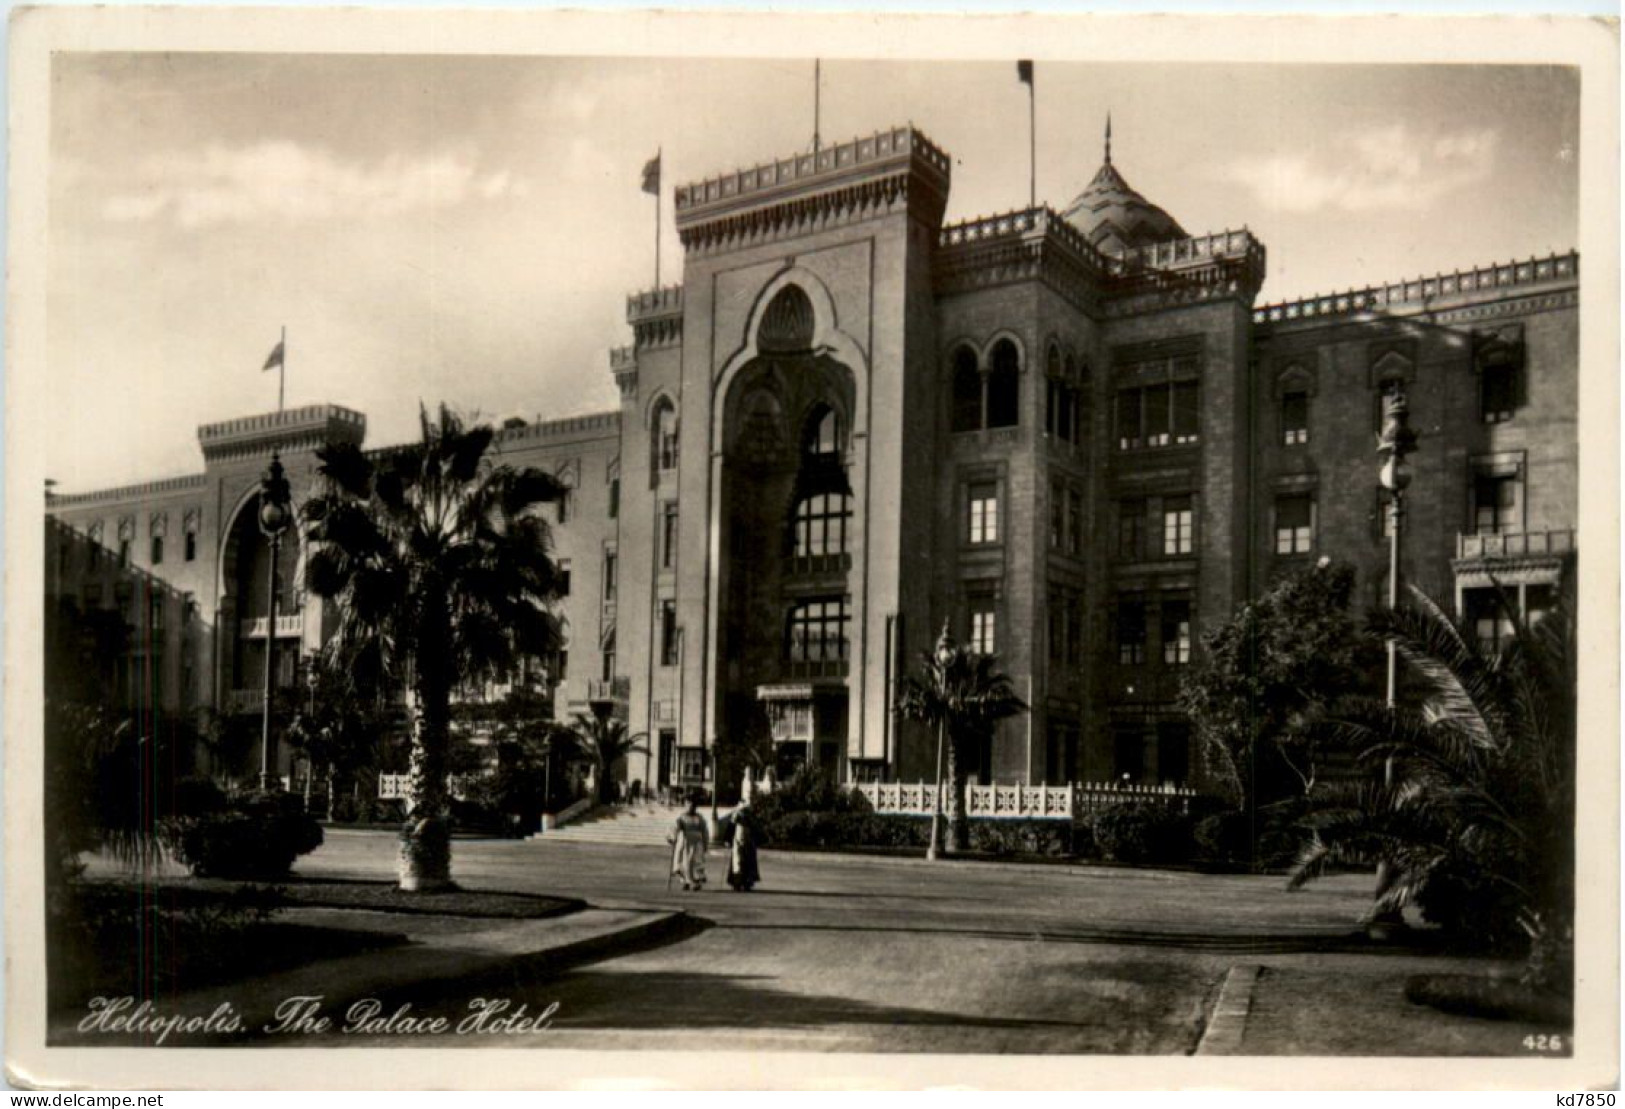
[
  {"x": 743, "y": 872},
  {"x": 688, "y": 847}
]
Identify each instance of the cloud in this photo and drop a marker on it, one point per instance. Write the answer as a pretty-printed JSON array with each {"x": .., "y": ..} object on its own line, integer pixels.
[
  {"x": 1382, "y": 169},
  {"x": 279, "y": 180}
]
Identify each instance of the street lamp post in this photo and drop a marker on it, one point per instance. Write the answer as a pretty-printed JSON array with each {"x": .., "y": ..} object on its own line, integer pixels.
[
  {"x": 274, "y": 519},
  {"x": 1396, "y": 441},
  {"x": 944, "y": 656}
]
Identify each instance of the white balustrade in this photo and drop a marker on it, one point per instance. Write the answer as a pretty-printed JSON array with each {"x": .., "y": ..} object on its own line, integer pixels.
[{"x": 1018, "y": 801}]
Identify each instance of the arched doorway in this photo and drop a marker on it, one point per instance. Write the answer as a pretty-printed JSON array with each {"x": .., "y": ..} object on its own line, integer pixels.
[{"x": 786, "y": 531}]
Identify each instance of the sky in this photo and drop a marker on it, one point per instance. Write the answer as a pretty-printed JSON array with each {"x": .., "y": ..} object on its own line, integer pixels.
[{"x": 467, "y": 228}]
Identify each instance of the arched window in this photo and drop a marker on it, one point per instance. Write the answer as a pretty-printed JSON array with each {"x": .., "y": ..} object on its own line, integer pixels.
[
  {"x": 823, "y": 435},
  {"x": 787, "y": 325},
  {"x": 663, "y": 446},
  {"x": 967, "y": 412},
  {"x": 1004, "y": 386},
  {"x": 1054, "y": 395}
]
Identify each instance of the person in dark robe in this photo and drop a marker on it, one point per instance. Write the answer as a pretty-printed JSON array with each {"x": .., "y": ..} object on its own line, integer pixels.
[{"x": 744, "y": 833}]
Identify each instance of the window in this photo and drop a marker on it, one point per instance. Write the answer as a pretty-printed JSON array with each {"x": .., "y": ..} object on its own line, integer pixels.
[
  {"x": 665, "y": 443},
  {"x": 982, "y": 620},
  {"x": 668, "y": 633},
  {"x": 967, "y": 402},
  {"x": 157, "y": 550},
  {"x": 1057, "y": 514},
  {"x": 1497, "y": 389},
  {"x": 1131, "y": 632},
  {"x": 1186, "y": 415},
  {"x": 1074, "y": 630},
  {"x": 95, "y": 553},
  {"x": 824, "y": 434},
  {"x": 1074, "y": 521},
  {"x": 1294, "y": 524},
  {"x": 817, "y": 631},
  {"x": 668, "y": 536},
  {"x": 191, "y": 546},
  {"x": 1177, "y": 526},
  {"x": 820, "y": 524},
  {"x": 1495, "y": 504},
  {"x": 1004, "y": 386},
  {"x": 566, "y": 504},
  {"x": 1158, "y": 416},
  {"x": 611, "y": 568},
  {"x": 983, "y": 504},
  {"x": 155, "y": 610},
  {"x": 1057, "y": 626},
  {"x": 1491, "y": 623},
  {"x": 1295, "y": 419},
  {"x": 564, "y": 666},
  {"x": 1129, "y": 428},
  {"x": 123, "y": 552},
  {"x": 608, "y": 669},
  {"x": 1130, "y": 528},
  {"x": 564, "y": 577},
  {"x": 691, "y": 764},
  {"x": 1176, "y": 632}
]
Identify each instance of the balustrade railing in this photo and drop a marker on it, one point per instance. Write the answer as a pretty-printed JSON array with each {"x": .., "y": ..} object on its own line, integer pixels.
[
  {"x": 1418, "y": 290},
  {"x": 1019, "y": 801},
  {"x": 1515, "y": 544}
]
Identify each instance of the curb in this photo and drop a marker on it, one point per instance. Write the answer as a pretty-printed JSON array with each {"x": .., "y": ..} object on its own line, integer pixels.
[{"x": 1228, "y": 1024}]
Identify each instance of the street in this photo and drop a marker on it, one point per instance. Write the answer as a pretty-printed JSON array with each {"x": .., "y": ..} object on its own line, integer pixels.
[{"x": 880, "y": 954}]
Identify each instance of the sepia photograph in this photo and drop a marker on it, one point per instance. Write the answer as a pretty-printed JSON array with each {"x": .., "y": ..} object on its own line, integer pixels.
[{"x": 581, "y": 539}]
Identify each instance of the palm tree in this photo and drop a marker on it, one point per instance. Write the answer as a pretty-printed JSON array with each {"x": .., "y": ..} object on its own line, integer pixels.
[
  {"x": 962, "y": 695},
  {"x": 438, "y": 564},
  {"x": 1477, "y": 823},
  {"x": 604, "y": 741}
]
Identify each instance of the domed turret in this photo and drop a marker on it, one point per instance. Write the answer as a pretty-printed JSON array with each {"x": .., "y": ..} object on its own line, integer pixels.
[{"x": 1115, "y": 218}]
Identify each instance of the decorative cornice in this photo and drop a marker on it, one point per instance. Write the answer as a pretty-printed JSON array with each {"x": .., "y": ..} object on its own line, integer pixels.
[
  {"x": 656, "y": 316},
  {"x": 878, "y": 175},
  {"x": 623, "y": 363},
  {"x": 309, "y": 427},
  {"x": 595, "y": 425},
  {"x": 142, "y": 491},
  {"x": 1419, "y": 294}
]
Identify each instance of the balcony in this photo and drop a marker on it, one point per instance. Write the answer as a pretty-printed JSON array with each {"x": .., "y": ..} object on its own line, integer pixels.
[
  {"x": 244, "y": 702},
  {"x": 287, "y": 627},
  {"x": 609, "y": 689},
  {"x": 1529, "y": 544}
]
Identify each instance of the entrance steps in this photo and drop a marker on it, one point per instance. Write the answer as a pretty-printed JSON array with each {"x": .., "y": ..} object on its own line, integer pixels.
[{"x": 644, "y": 823}]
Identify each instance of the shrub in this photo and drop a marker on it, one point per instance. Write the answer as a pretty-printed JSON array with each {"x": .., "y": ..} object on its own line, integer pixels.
[
  {"x": 1050, "y": 838},
  {"x": 1141, "y": 832},
  {"x": 257, "y": 836}
]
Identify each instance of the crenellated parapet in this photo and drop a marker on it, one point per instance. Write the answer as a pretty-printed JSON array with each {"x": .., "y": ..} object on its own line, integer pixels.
[
  {"x": 623, "y": 363},
  {"x": 1030, "y": 244},
  {"x": 1425, "y": 292},
  {"x": 1040, "y": 244},
  {"x": 597, "y": 425},
  {"x": 876, "y": 175},
  {"x": 304, "y": 428},
  {"x": 1219, "y": 266},
  {"x": 147, "y": 490},
  {"x": 656, "y": 316}
]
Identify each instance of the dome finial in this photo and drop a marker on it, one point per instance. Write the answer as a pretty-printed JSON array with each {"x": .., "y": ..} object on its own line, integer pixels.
[{"x": 1108, "y": 138}]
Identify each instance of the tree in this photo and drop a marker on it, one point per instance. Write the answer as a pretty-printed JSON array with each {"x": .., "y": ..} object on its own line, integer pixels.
[
  {"x": 1293, "y": 649},
  {"x": 746, "y": 747},
  {"x": 1477, "y": 822},
  {"x": 962, "y": 695},
  {"x": 345, "y": 724},
  {"x": 604, "y": 741},
  {"x": 438, "y": 564}
]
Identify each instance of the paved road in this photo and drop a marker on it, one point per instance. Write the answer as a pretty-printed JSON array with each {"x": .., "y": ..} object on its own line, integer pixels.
[{"x": 841, "y": 953}]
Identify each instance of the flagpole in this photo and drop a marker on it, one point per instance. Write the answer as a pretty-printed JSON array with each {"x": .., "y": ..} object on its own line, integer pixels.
[
  {"x": 1032, "y": 143},
  {"x": 282, "y": 374},
  {"x": 818, "y": 91},
  {"x": 659, "y": 152}
]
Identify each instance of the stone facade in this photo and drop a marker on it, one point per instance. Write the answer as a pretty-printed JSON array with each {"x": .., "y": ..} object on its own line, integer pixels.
[{"x": 1075, "y": 440}]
